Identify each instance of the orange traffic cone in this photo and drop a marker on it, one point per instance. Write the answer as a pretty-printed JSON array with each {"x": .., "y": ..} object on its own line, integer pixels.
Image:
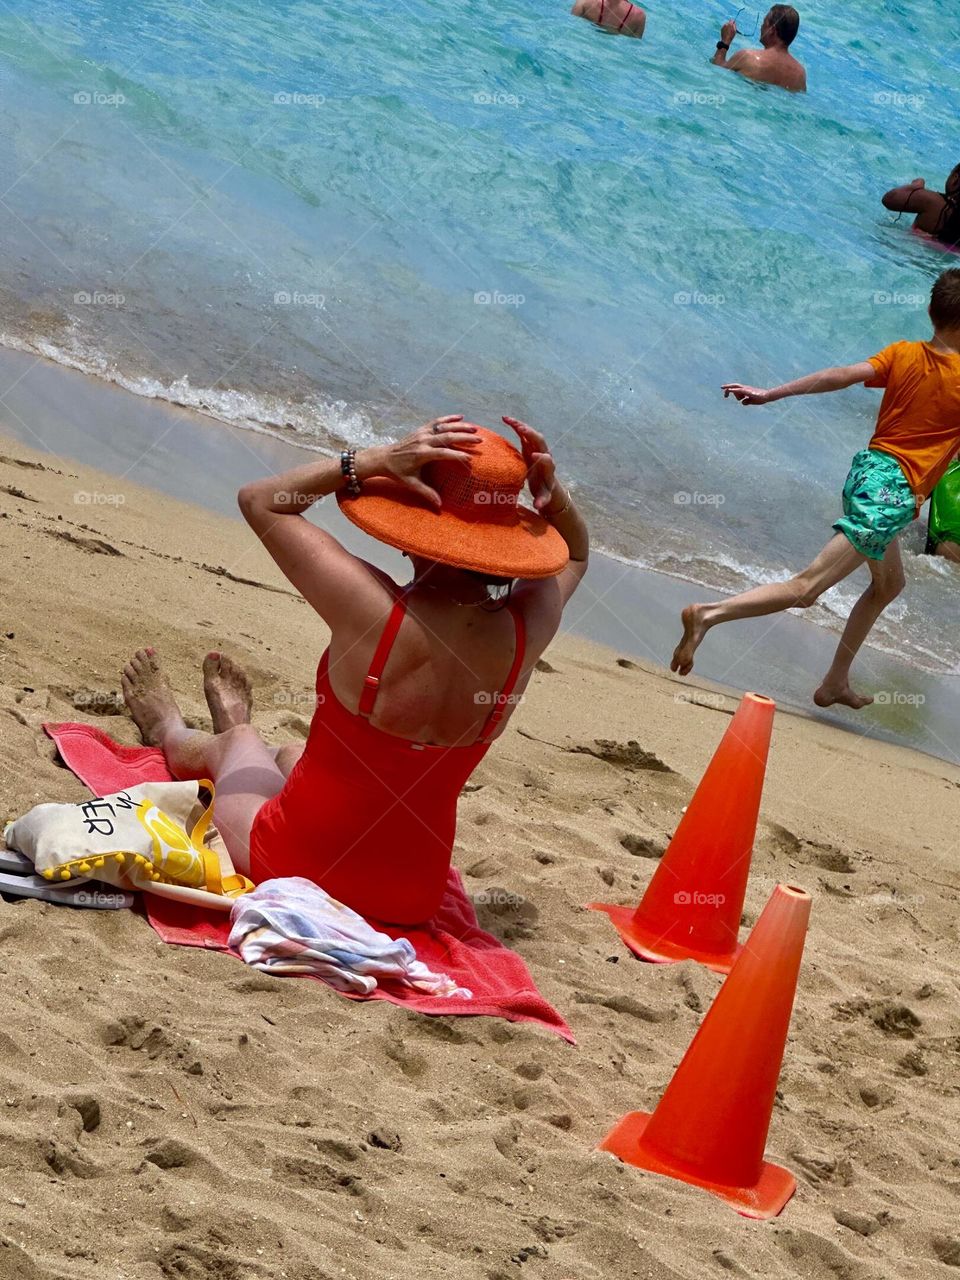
[
  {"x": 710, "y": 1127},
  {"x": 692, "y": 907}
]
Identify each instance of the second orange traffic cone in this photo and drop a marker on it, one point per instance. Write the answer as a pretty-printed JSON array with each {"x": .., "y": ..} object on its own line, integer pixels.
[
  {"x": 710, "y": 1127},
  {"x": 692, "y": 907}
]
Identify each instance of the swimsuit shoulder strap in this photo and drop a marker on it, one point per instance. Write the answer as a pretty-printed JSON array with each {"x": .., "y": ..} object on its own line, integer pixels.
[
  {"x": 625, "y": 17},
  {"x": 600, "y": 19},
  {"x": 502, "y": 698},
  {"x": 371, "y": 682}
]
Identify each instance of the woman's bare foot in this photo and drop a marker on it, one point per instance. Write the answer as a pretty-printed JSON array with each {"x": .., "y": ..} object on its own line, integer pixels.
[
  {"x": 147, "y": 693},
  {"x": 829, "y": 695},
  {"x": 227, "y": 691},
  {"x": 695, "y": 627}
]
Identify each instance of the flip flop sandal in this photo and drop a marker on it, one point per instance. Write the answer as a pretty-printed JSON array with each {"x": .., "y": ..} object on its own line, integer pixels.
[
  {"x": 14, "y": 863},
  {"x": 89, "y": 893}
]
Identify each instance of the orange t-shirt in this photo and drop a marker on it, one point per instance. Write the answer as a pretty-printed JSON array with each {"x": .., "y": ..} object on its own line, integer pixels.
[{"x": 919, "y": 420}]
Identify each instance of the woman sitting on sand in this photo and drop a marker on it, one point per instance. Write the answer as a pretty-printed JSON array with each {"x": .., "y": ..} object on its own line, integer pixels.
[
  {"x": 938, "y": 215},
  {"x": 619, "y": 16},
  {"x": 417, "y": 681}
]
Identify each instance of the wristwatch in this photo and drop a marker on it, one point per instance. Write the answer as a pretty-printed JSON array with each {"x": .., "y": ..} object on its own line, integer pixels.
[{"x": 721, "y": 44}]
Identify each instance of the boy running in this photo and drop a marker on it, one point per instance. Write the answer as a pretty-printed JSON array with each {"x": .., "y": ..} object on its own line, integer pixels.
[{"x": 916, "y": 436}]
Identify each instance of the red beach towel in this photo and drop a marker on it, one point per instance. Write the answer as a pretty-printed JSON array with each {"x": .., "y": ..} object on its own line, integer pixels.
[{"x": 451, "y": 943}]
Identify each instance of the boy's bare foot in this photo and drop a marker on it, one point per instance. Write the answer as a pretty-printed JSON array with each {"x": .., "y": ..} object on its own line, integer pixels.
[
  {"x": 147, "y": 693},
  {"x": 695, "y": 627},
  {"x": 829, "y": 695},
  {"x": 227, "y": 691}
]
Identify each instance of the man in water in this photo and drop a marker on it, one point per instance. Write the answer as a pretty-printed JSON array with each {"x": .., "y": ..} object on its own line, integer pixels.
[{"x": 773, "y": 64}]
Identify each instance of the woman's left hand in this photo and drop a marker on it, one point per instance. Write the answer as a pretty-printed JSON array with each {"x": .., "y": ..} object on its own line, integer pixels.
[{"x": 541, "y": 468}]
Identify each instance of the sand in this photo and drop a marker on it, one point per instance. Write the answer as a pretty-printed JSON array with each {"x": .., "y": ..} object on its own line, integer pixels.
[{"x": 167, "y": 1113}]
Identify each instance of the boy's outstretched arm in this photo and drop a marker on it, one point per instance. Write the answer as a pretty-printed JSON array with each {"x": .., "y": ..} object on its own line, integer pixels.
[{"x": 825, "y": 380}]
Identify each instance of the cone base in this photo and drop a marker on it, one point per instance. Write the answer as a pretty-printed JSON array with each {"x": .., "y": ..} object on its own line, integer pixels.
[
  {"x": 765, "y": 1199},
  {"x": 659, "y": 950}
]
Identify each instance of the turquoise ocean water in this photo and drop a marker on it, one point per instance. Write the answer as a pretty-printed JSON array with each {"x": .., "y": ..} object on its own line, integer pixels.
[{"x": 331, "y": 221}]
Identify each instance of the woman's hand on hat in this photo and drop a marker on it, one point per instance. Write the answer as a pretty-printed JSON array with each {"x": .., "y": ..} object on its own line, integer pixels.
[
  {"x": 447, "y": 439},
  {"x": 541, "y": 468}
]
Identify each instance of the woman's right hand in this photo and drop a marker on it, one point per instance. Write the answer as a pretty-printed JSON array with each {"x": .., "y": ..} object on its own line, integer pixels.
[{"x": 447, "y": 439}]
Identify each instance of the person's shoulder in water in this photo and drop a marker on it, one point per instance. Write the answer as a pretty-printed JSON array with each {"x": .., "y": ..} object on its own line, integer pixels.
[
  {"x": 936, "y": 213},
  {"x": 619, "y": 16},
  {"x": 773, "y": 63}
]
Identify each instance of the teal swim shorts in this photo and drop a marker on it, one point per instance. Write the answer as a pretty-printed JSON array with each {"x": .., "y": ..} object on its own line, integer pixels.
[{"x": 877, "y": 503}]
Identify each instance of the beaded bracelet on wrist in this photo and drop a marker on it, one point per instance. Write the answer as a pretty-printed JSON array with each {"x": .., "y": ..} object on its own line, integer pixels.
[{"x": 348, "y": 469}]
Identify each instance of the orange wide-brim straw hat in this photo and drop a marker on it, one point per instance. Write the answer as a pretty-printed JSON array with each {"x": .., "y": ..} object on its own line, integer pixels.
[{"x": 480, "y": 524}]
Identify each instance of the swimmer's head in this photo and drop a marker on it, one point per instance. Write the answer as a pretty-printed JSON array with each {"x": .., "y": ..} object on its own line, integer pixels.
[
  {"x": 780, "y": 26},
  {"x": 945, "y": 301},
  {"x": 953, "y": 183}
]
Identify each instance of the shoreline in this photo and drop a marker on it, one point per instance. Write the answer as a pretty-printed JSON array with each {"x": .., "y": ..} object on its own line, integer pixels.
[{"x": 199, "y": 459}]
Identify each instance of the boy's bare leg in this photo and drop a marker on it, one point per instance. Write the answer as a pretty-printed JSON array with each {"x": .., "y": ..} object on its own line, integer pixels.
[
  {"x": 887, "y": 582},
  {"x": 836, "y": 561},
  {"x": 949, "y": 551}
]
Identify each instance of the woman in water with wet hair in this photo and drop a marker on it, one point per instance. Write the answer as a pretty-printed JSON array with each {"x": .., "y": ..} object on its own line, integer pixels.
[
  {"x": 937, "y": 213},
  {"x": 617, "y": 16}
]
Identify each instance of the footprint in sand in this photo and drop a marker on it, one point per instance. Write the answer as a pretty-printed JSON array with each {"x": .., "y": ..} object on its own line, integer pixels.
[
  {"x": 625, "y": 755},
  {"x": 96, "y": 546},
  {"x": 413, "y": 1065},
  {"x": 874, "y": 1096},
  {"x": 643, "y": 847},
  {"x": 302, "y": 1171},
  {"x": 890, "y": 1018},
  {"x": 946, "y": 1249},
  {"x": 819, "y": 1167},
  {"x": 509, "y": 916},
  {"x": 170, "y": 1153}
]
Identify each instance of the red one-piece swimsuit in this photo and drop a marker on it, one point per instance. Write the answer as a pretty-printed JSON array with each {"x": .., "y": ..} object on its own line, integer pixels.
[{"x": 369, "y": 816}]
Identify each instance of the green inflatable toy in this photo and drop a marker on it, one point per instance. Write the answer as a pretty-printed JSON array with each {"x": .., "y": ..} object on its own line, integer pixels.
[{"x": 945, "y": 510}]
